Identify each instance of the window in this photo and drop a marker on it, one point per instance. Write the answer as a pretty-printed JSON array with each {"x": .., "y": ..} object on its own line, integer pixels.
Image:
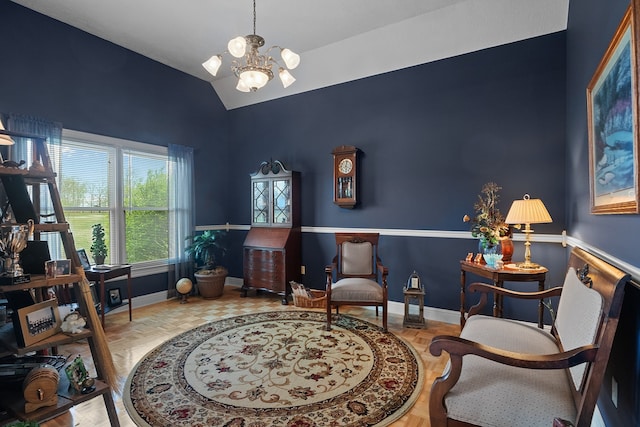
[{"x": 121, "y": 185}]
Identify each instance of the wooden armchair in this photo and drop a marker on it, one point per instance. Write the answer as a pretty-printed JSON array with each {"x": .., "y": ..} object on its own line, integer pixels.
[
  {"x": 361, "y": 279},
  {"x": 504, "y": 372}
]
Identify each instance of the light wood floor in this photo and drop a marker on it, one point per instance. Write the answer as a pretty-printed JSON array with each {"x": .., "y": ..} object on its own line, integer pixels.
[{"x": 154, "y": 324}]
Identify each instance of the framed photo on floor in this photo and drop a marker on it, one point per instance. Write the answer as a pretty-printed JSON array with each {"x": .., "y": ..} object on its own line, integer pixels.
[
  {"x": 37, "y": 322},
  {"x": 612, "y": 106},
  {"x": 114, "y": 297}
]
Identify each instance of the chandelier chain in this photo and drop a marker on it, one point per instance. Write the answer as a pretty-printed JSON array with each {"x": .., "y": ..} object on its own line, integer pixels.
[{"x": 254, "y": 16}]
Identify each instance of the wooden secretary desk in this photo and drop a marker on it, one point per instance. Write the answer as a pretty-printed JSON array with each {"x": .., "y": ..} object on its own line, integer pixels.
[{"x": 271, "y": 253}]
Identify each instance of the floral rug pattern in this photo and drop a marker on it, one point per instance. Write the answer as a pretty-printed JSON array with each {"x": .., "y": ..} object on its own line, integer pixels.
[{"x": 276, "y": 369}]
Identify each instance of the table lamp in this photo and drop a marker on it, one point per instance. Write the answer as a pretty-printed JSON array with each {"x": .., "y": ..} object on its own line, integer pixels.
[
  {"x": 528, "y": 211},
  {"x": 4, "y": 140}
]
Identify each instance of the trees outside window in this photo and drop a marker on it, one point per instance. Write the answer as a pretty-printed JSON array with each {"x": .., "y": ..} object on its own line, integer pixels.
[{"x": 121, "y": 185}]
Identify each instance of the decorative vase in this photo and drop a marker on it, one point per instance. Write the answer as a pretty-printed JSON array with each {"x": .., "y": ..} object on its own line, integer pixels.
[
  {"x": 491, "y": 253},
  {"x": 506, "y": 244}
]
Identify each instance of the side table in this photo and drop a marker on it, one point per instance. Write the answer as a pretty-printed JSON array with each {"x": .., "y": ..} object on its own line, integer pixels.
[
  {"x": 101, "y": 275},
  {"x": 498, "y": 277}
]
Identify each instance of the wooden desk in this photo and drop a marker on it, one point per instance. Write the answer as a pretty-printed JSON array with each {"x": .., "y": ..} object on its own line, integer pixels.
[
  {"x": 498, "y": 277},
  {"x": 99, "y": 275}
]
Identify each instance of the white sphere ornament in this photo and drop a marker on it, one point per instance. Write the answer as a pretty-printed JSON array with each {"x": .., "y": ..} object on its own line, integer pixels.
[{"x": 184, "y": 286}]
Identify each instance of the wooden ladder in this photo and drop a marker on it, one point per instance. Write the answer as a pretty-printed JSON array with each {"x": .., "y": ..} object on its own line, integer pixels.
[{"x": 40, "y": 173}]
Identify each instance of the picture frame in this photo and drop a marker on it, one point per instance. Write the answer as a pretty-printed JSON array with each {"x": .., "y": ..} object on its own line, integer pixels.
[
  {"x": 37, "y": 322},
  {"x": 63, "y": 267},
  {"x": 612, "y": 108},
  {"x": 77, "y": 374},
  {"x": 50, "y": 269},
  {"x": 84, "y": 259},
  {"x": 114, "y": 297}
]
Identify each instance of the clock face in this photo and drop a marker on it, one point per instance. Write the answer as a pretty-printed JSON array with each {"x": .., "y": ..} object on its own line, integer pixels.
[{"x": 345, "y": 166}]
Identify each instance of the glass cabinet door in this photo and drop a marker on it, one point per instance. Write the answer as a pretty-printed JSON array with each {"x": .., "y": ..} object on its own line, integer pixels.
[
  {"x": 282, "y": 201},
  {"x": 260, "y": 202}
]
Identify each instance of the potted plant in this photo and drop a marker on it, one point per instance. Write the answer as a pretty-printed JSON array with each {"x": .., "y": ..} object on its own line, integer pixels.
[
  {"x": 208, "y": 248},
  {"x": 98, "y": 246}
]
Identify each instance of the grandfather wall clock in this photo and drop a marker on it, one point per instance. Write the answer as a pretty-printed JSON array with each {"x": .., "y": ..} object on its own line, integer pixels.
[{"x": 345, "y": 192}]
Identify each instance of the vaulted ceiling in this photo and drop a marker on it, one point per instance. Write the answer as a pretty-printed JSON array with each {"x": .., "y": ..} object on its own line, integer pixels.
[{"x": 338, "y": 40}]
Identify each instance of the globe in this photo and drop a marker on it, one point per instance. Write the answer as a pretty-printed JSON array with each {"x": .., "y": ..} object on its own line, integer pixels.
[{"x": 184, "y": 286}]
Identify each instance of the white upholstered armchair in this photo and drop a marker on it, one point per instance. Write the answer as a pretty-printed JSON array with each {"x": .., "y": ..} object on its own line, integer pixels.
[
  {"x": 361, "y": 279},
  {"x": 504, "y": 373}
]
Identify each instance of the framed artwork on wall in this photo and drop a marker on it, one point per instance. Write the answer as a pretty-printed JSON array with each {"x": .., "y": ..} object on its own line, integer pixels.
[{"x": 612, "y": 107}]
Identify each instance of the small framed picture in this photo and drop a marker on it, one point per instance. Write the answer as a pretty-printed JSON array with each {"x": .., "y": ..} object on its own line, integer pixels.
[
  {"x": 84, "y": 259},
  {"x": 50, "y": 269},
  {"x": 77, "y": 374},
  {"x": 37, "y": 322},
  {"x": 63, "y": 267},
  {"x": 114, "y": 297}
]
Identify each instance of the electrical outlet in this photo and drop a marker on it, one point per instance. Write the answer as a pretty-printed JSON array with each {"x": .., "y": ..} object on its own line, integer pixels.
[
  {"x": 614, "y": 391},
  {"x": 303, "y": 270}
]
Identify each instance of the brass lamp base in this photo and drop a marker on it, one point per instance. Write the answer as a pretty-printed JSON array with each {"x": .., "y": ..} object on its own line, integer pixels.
[{"x": 528, "y": 265}]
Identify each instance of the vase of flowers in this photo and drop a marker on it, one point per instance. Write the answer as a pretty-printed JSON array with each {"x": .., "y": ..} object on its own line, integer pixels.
[{"x": 488, "y": 224}]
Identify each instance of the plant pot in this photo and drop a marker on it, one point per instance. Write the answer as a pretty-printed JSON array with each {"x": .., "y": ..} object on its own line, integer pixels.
[
  {"x": 211, "y": 282},
  {"x": 99, "y": 260}
]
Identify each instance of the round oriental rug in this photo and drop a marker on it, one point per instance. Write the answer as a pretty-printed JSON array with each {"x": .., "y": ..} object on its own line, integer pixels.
[{"x": 276, "y": 369}]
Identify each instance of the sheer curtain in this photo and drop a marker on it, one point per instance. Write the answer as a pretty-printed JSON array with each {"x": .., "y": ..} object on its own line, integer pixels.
[
  {"x": 24, "y": 150},
  {"x": 181, "y": 213}
]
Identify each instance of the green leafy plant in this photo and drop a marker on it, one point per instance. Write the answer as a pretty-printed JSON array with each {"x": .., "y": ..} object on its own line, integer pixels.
[
  {"x": 207, "y": 247},
  {"x": 98, "y": 246}
]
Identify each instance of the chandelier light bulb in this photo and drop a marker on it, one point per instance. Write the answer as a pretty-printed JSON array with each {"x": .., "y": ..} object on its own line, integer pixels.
[
  {"x": 285, "y": 77},
  {"x": 237, "y": 46},
  {"x": 290, "y": 58},
  {"x": 212, "y": 65}
]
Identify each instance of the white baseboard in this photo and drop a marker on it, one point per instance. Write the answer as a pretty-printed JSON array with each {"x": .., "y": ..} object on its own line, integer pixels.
[{"x": 141, "y": 301}]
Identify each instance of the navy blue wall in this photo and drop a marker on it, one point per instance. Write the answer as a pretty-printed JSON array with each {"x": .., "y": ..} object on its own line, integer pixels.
[
  {"x": 62, "y": 74},
  {"x": 430, "y": 136},
  {"x": 592, "y": 24}
]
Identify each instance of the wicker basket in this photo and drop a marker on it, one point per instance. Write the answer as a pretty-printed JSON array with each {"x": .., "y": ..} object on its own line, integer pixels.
[{"x": 308, "y": 298}]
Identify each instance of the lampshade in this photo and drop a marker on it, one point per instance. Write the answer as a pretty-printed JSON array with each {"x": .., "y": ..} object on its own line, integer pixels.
[
  {"x": 212, "y": 65},
  {"x": 254, "y": 79},
  {"x": 285, "y": 77},
  {"x": 237, "y": 46},
  {"x": 5, "y": 139},
  {"x": 528, "y": 211},
  {"x": 291, "y": 60}
]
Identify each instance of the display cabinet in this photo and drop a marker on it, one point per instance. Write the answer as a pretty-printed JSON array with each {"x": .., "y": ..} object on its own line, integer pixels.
[
  {"x": 274, "y": 202},
  {"x": 271, "y": 253}
]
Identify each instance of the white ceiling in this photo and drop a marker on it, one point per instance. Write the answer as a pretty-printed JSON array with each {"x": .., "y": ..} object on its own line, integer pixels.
[{"x": 338, "y": 40}]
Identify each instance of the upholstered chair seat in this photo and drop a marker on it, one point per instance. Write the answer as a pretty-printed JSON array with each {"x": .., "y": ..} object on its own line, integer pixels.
[{"x": 357, "y": 289}]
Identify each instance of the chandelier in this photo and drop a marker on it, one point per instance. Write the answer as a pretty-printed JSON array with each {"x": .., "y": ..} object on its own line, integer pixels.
[{"x": 252, "y": 69}]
